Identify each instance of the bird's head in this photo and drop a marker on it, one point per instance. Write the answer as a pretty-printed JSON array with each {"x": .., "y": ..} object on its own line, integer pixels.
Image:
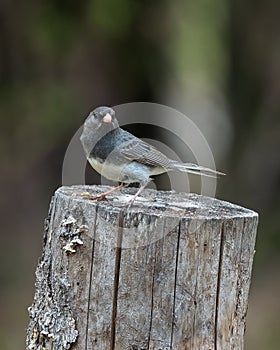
[
  {"x": 99, "y": 122},
  {"x": 101, "y": 118}
]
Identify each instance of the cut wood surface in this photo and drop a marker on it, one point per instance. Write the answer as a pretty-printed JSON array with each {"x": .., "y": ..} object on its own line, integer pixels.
[{"x": 171, "y": 272}]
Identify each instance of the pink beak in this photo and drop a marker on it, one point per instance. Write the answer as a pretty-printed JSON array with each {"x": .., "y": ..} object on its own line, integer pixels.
[{"x": 107, "y": 119}]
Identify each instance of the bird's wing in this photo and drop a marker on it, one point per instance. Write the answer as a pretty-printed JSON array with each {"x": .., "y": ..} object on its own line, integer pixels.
[{"x": 141, "y": 152}]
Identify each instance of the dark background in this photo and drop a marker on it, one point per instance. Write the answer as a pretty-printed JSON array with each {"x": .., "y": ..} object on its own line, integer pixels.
[{"x": 217, "y": 61}]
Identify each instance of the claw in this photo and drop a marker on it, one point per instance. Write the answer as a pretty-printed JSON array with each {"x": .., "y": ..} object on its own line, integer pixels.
[{"x": 100, "y": 197}]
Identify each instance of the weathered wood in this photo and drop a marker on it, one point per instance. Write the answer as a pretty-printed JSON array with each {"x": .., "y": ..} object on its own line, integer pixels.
[{"x": 172, "y": 272}]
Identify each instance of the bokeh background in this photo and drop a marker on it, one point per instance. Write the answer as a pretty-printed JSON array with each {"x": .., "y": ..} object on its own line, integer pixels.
[{"x": 217, "y": 61}]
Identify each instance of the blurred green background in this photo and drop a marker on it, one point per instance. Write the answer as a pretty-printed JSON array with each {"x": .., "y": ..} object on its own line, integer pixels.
[{"x": 217, "y": 61}]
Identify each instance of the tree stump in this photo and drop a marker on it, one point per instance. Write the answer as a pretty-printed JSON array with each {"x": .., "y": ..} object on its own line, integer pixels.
[{"x": 171, "y": 272}]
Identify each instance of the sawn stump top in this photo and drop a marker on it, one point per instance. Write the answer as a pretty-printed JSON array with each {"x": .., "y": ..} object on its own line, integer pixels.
[{"x": 158, "y": 203}]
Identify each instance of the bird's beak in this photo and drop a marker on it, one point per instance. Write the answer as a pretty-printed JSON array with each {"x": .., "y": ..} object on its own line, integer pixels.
[{"x": 107, "y": 119}]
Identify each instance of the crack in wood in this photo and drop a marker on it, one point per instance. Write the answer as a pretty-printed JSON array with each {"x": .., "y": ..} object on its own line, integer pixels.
[
  {"x": 238, "y": 297},
  {"x": 116, "y": 279},
  {"x": 175, "y": 282},
  {"x": 152, "y": 305},
  {"x": 222, "y": 243},
  {"x": 90, "y": 279},
  {"x": 195, "y": 295}
]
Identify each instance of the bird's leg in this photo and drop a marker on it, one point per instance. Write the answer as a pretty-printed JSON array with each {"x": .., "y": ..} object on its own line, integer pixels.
[
  {"x": 104, "y": 194},
  {"x": 137, "y": 194}
]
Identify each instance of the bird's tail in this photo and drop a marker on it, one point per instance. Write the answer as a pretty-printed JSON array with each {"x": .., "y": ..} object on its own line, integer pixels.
[{"x": 195, "y": 169}]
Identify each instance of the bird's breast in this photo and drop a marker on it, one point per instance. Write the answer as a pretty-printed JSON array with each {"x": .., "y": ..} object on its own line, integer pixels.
[
  {"x": 107, "y": 169},
  {"x": 96, "y": 164}
]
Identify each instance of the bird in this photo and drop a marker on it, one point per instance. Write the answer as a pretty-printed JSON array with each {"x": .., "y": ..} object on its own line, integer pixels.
[{"x": 120, "y": 156}]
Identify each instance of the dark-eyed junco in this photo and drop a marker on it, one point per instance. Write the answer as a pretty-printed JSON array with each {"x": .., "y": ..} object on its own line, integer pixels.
[{"x": 120, "y": 156}]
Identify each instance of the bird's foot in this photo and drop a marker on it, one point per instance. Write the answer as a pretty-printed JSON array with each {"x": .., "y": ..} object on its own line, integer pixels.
[
  {"x": 103, "y": 195},
  {"x": 98, "y": 197}
]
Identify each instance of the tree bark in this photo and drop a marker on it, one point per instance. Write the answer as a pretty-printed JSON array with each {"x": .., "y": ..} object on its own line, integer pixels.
[{"x": 171, "y": 272}]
